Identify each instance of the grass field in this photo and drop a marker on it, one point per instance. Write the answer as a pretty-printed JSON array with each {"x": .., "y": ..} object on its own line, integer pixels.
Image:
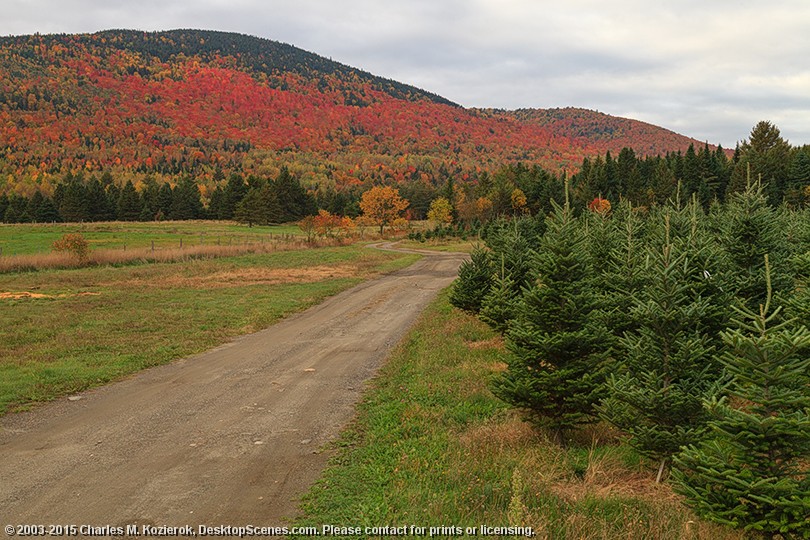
[
  {"x": 67, "y": 330},
  {"x": 25, "y": 239},
  {"x": 432, "y": 447}
]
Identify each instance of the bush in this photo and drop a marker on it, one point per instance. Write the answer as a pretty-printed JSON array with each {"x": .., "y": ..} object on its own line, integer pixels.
[{"x": 73, "y": 243}]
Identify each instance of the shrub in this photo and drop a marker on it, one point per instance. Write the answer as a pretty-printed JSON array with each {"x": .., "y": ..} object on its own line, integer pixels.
[{"x": 73, "y": 243}]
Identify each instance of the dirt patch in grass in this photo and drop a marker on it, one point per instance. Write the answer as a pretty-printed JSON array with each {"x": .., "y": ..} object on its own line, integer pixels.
[{"x": 27, "y": 294}]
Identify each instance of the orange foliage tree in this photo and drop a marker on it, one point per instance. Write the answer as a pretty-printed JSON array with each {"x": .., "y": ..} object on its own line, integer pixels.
[{"x": 382, "y": 205}]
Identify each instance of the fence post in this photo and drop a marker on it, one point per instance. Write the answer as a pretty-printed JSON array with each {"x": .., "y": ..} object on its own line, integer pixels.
[
  {"x": 181, "y": 242},
  {"x": 153, "y": 246}
]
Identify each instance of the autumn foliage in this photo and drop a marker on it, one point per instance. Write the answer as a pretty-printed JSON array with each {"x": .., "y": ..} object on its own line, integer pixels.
[
  {"x": 383, "y": 206},
  {"x": 73, "y": 243},
  {"x": 163, "y": 105}
]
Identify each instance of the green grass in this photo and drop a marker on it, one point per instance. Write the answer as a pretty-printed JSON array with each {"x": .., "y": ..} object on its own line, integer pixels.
[
  {"x": 452, "y": 245},
  {"x": 26, "y": 238},
  {"x": 431, "y": 447},
  {"x": 95, "y": 325}
]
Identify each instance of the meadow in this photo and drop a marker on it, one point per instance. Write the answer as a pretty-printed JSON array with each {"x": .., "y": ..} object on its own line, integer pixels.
[{"x": 32, "y": 238}]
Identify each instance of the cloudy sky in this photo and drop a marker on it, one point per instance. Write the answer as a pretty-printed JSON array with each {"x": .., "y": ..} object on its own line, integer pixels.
[{"x": 706, "y": 69}]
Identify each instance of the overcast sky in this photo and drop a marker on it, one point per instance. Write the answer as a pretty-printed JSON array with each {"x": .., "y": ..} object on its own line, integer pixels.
[{"x": 709, "y": 69}]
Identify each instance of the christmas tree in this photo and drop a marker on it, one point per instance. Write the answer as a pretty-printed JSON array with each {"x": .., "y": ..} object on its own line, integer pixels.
[{"x": 753, "y": 472}]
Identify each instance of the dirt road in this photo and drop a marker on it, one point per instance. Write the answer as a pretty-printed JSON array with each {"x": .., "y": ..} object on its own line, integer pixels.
[{"x": 233, "y": 436}]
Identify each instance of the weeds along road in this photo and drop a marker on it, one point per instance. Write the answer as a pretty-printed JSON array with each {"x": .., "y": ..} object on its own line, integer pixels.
[{"x": 229, "y": 437}]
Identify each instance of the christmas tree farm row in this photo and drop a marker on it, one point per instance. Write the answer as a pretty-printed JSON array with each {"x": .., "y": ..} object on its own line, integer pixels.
[{"x": 685, "y": 329}]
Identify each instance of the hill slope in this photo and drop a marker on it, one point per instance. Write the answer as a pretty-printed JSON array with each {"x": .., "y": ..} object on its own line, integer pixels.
[{"x": 200, "y": 102}]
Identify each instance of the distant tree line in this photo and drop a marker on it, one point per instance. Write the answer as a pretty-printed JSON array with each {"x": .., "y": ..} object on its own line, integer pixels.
[
  {"x": 76, "y": 199},
  {"x": 516, "y": 189}
]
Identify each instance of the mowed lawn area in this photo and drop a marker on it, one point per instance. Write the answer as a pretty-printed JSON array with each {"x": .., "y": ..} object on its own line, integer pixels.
[{"x": 67, "y": 330}]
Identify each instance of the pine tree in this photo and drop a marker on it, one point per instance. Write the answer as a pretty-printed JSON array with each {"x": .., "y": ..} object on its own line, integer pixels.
[
  {"x": 622, "y": 275},
  {"x": 753, "y": 473},
  {"x": 749, "y": 230},
  {"x": 129, "y": 203},
  {"x": 186, "y": 202},
  {"x": 498, "y": 307},
  {"x": 556, "y": 367},
  {"x": 656, "y": 395},
  {"x": 473, "y": 282}
]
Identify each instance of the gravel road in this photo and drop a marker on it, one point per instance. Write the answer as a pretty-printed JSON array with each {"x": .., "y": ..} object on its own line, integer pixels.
[{"x": 233, "y": 436}]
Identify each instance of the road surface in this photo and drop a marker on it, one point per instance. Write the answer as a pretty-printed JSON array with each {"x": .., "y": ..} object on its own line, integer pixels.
[{"x": 233, "y": 436}]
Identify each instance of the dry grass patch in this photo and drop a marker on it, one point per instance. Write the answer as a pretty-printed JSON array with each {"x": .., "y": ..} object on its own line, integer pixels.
[
  {"x": 493, "y": 343},
  {"x": 242, "y": 277}
]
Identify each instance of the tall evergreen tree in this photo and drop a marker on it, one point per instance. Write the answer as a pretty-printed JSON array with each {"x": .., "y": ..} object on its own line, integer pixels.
[
  {"x": 294, "y": 200},
  {"x": 165, "y": 199},
  {"x": 186, "y": 202},
  {"x": 656, "y": 393},
  {"x": 47, "y": 212},
  {"x": 753, "y": 472},
  {"x": 556, "y": 368},
  {"x": 99, "y": 202},
  {"x": 233, "y": 193},
  {"x": 74, "y": 205},
  {"x": 129, "y": 203},
  {"x": 764, "y": 155},
  {"x": 749, "y": 229}
]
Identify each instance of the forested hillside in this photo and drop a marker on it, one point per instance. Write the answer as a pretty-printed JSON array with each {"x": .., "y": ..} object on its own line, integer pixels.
[{"x": 207, "y": 104}]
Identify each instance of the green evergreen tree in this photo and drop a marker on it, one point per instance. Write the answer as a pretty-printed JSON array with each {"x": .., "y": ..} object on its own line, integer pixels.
[
  {"x": 99, "y": 202},
  {"x": 47, "y": 212},
  {"x": 186, "y": 202},
  {"x": 233, "y": 193},
  {"x": 656, "y": 394},
  {"x": 556, "y": 368},
  {"x": 749, "y": 229},
  {"x": 129, "y": 203},
  {"x": 473, "y": 282},
  {"x": 294, "y": 200},
  {"x": 622, "y": 275},
  {"x": 753, "y": 472},
  {"x": 32, "y": 208},
  {"x": 74, "y": 205},
  {"x": 765, "y": 156},
  {"x": 216, "y": 204},
  {"x": 3, "y": 206},
  {"x": 165, "y": 198},
  {"x": 498, "y": 308},
  {"x": 15, "y": 211}
]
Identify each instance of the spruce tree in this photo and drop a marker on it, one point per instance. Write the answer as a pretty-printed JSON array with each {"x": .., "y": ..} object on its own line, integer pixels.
[
  {"x": 498, "y": 307},
  {"x": 622, "y": 275},
  {"x": 473, "y": 282},
  {"x": 753, "y": 473},
  {"x": 656, "y": 395},
  {"x": 749, "y": 230},
  {"x": 129, "y": 203},
  {"x": 556, "y": 367}
]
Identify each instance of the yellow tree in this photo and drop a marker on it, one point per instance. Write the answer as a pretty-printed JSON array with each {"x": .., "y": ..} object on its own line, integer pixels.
[
  {"x": 382, "y": 205},
  {"x": 441, "y": 211}
]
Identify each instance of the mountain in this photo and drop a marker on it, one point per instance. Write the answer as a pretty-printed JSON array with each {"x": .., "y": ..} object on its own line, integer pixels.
[{"x": 205, "y": 104}]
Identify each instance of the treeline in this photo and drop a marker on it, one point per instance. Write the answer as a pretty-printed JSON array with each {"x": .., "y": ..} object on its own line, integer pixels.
[
  {"x": 709, "y": 175},
  {"x": 76, "y": 199},
  {"x": 685, "y": 329}
]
